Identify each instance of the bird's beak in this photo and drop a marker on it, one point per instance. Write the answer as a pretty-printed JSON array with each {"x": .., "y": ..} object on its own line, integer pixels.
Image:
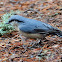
[{"x": 7, "y": 23}]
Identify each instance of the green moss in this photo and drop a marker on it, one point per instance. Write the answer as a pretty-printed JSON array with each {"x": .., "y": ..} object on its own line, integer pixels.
[{"x": 7, "y": 28}]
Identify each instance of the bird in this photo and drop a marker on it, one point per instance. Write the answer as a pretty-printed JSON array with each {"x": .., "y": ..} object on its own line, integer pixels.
[{"x": 31, "y": 28}]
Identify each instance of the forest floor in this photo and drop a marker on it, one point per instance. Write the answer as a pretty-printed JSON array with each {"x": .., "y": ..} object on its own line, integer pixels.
[{"x": 11, "y": 45}]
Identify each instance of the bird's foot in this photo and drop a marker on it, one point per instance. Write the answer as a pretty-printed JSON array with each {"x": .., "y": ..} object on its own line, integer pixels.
[
  {"x": 38, "y": 43},
  {"x": 25, "y": 48}
]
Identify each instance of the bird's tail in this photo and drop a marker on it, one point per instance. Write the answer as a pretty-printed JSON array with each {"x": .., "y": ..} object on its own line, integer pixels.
[{"x": 57, "y": 32}]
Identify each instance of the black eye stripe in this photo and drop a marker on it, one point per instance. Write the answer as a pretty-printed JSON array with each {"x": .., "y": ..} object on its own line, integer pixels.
[{"x": 14, "y": 20}]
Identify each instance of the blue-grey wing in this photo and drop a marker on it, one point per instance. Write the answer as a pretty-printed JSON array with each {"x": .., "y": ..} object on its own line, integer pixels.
[{"x": 36, "y": 28}]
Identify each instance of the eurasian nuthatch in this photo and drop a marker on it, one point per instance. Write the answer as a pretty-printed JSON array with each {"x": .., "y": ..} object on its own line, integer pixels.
[{"x": 31, "y": 28}]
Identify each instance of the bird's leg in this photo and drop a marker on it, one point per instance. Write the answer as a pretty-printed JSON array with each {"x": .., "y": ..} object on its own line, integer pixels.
[
  {"x": 23, "y": 41},
  {"x": 38, "y": 42}
]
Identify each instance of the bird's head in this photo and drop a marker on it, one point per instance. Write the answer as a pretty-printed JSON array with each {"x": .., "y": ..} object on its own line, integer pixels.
[{"x": 15, "y": 20}]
